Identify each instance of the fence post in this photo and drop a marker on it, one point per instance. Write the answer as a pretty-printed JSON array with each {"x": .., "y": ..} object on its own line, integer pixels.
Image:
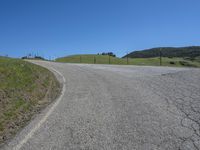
[
  {"x": 94, "y": 59},
  {"x": 160, "y": 57}
]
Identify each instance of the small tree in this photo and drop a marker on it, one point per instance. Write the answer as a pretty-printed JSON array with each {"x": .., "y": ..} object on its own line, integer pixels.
[{"x": 109, "y": 54}]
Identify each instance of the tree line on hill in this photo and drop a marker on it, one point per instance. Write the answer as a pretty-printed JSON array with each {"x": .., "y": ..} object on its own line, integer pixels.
[
  {"x": 191, "y": 52},
  {"x": 108, "y": 53},
  {"x": 33, "y": 57}
]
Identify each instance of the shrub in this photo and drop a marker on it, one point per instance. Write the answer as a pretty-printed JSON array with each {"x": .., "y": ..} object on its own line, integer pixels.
[
  {"x": 172, "y": 62},
  {"x": 185, "y": 63}
]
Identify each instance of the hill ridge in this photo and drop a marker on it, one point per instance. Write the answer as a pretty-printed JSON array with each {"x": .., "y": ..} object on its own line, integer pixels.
[{"x": 189, "y": 51}]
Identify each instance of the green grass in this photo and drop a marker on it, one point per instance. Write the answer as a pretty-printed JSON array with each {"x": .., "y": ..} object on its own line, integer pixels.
[
  {"x": 90, "y": 59},
  {"x": 176, "y": 62},
  {"x": 22, "y": 88},
  {"x": 102, "y": 59}
]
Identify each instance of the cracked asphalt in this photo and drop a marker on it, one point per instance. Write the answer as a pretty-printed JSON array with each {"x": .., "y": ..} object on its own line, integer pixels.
[{"x": 110, "y": 107}]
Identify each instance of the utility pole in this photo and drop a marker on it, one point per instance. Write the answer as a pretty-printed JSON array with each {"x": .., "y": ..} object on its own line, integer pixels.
[{"x": 160, "y": 57}]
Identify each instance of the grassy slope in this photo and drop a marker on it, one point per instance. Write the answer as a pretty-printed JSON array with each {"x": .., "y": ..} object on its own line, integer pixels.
[
  {"x": 90, "y": 59},
  {"x": 100, "y": 59},
  {"x": 23, "y": 92},
  {"x": 84, "y": 59},
  {"x": 178, "y": 62}
]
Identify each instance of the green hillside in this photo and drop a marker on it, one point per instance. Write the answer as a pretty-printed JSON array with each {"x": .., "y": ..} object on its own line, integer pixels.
[
  {"x": 191, "y": 52},
  {"x": 24, "y": 89},
  {"x": 155, "y": 61},
  {"x": 92, "y": 59}
]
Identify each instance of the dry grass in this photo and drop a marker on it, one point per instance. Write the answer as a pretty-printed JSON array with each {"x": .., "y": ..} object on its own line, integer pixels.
[{"x": 25, "y": 88}]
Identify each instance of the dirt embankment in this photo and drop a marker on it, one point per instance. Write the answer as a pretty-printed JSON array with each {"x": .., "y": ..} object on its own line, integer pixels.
[{"x": 25, "y": 89}]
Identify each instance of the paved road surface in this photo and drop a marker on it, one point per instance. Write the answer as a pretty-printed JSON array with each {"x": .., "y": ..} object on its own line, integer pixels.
[{"x": 109, "y": 107}]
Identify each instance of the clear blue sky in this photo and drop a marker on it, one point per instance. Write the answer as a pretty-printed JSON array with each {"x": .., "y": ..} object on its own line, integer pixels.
[{"x": 54, "y": 28}]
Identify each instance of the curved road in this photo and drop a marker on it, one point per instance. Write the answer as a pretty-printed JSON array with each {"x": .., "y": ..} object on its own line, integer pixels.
[{"x": 106, "y": 107}]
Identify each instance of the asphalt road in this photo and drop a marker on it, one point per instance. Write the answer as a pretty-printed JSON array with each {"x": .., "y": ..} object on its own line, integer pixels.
[{"x": 107, "y": 107}]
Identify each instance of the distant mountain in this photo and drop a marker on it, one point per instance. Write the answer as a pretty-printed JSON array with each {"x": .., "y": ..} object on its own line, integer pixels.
[{"x": 192, "y": 52}]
